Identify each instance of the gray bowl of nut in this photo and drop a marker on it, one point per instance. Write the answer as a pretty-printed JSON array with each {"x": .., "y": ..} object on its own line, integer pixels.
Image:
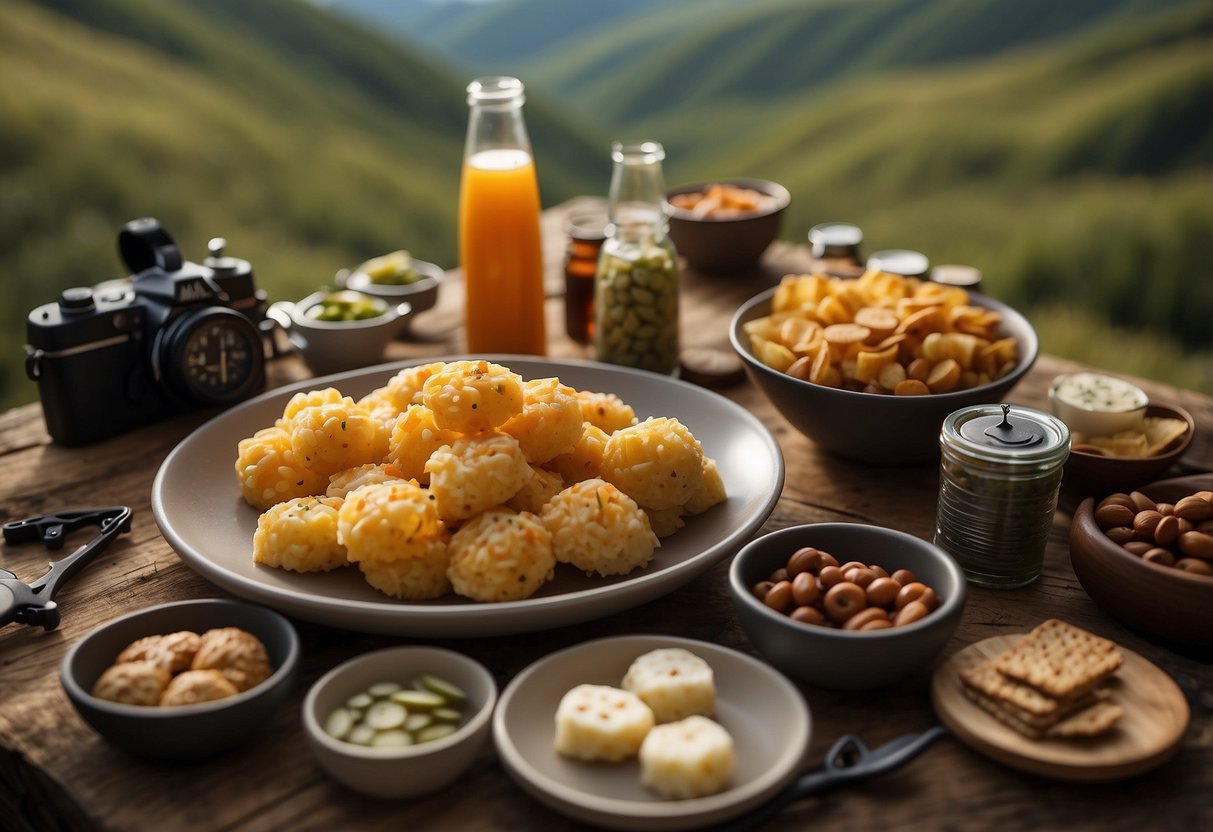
[
  {"x": 202, "y": 683},
  {"x": 876, "y": 386},
  {"x": 846, "y": 606}
]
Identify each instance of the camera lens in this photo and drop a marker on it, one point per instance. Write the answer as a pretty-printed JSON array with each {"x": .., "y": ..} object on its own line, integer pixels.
[{"x": 211, "y": 356}]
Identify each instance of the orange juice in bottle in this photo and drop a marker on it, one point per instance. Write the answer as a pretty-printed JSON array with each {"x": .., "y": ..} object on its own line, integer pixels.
[{"x": 499, "y": 241}]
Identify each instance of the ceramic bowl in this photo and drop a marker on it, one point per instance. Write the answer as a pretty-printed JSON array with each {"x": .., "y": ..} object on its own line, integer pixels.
[
  {"x": 421, "y": 294},
  {"x": 412, "y": 770},
  {"x": 1160, "y": 600},
  {"x": 187, "y": 731},
  {"x": 843, "y": 659},
  {"x": 1070, "y": 403},
  {"x": 869, "y": 427},
  {"x": 1094, "y": 475},
  {"x": 726, "y": 244},
  {"x": 335, "y": 346}
]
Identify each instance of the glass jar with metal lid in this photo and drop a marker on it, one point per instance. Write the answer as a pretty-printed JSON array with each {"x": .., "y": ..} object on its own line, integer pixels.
[
  {"x": 1000, "y": 469},
  {"x": 835, "y": 249},
  {"x": 901, "y": 261}
]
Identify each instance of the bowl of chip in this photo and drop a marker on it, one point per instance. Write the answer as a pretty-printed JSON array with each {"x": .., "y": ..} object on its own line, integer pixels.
[
  {"x": 342, "y": 330},
  {"x": 879, "y": 407},
  {"x": 1098, "y": 466},
  {"x": 141, "y": 680},
  {"x": 725, "y": 225},
  {"x": 400, "y": 722},
  {"x": 396, "y": 277}
]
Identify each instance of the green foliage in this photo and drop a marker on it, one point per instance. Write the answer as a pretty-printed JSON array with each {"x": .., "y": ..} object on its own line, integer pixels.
[
  {"x": 307, "y": 142},
  {"x": 1065, "y": 148},
  {"x": 1075, "y": 173}
]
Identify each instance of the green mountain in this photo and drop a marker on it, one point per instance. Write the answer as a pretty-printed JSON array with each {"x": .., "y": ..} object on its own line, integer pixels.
[
  {"x": 308, "y": 142},
  {"x": 500, "y": 35},
  {"x": 1074, "y": 172},
  {"x": 1066, "y": 149},
  {"x": 765, "y": 50}
]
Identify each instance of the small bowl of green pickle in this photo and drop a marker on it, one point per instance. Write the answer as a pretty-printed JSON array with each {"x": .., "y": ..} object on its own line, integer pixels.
[
  {"x": 395, "y": 277},
  {"x": 400, "y": 722},
  {"x": 340, "y": 330}
]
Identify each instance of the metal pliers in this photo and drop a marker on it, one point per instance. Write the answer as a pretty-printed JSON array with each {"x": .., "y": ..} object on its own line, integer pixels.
[{"x": 33, "y": 603}]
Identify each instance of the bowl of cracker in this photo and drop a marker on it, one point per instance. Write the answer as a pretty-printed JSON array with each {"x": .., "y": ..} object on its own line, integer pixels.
[
  {"x": 869, "y": 368},
  {"x": 1146, "y": 557},
  {"x": 1129, "y": 458}
]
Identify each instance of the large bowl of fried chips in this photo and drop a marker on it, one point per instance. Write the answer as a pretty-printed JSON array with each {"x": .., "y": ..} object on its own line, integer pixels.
[
  {"x": 1100, "y": 465},
  {"x": 869, "y": 368}
]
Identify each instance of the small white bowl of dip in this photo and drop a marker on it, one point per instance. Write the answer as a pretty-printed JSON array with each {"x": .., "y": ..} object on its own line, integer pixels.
[{"x": 1096, "y": 404}]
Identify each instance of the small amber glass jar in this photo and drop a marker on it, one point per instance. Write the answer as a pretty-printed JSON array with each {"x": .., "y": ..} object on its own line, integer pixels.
[{"x": 586, "y": 229}]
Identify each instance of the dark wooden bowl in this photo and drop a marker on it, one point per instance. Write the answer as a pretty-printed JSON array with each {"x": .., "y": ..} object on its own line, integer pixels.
[
  {"x": 1160, "y": 600},
  {"x": 1092, "y": 475},
  {"x": 727, "y": 244}
]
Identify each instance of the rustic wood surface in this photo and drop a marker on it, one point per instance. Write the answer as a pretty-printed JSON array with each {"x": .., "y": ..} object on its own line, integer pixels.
[{"x": 56, "y": 773}]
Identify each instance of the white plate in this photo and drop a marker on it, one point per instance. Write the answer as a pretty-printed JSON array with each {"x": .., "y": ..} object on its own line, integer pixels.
[
  {"x": 763, "y": 711},
  {"x": 197, "y": 504}
]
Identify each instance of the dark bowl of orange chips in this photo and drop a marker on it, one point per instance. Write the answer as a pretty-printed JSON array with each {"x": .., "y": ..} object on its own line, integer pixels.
[
  {"x": 725, "y": 226},
  {"x": 1099, "y": 466},
  {"x": 869, "y": 368}
]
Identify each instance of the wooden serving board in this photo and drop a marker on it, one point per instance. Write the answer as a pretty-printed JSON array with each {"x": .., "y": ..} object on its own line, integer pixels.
[{"x": 1155, "y": 718}]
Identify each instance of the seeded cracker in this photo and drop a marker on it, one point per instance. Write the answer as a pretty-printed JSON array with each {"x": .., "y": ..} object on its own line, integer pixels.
[
  {"x": 1089, "y": 722},
  {"x": 1034, "y": 725},
  {"x": 985, "y": 679},
  {"x": 1060, "y": 659},
  {"x": 1023, "y": 701}
]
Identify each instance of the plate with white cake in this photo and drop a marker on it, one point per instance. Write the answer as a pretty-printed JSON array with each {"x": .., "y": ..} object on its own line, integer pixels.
[{"x": 651, "y": 732}]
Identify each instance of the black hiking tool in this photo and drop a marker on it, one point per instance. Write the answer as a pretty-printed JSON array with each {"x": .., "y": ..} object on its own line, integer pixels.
[{"x": 33, "y": 603}]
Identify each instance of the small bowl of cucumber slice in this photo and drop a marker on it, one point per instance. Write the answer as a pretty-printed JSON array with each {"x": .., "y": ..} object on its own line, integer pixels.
[{"x": 400, "y": 722}]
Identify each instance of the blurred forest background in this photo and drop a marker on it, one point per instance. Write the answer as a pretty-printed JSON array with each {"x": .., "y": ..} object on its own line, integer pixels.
[{"x": 1064, "y": 148}]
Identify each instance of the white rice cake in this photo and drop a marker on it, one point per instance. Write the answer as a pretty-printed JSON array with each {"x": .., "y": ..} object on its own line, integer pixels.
[
  {"x": 690, "y": 758},
  {"x": 674, "y": 682},
  {"x": 598, "y": 722}
]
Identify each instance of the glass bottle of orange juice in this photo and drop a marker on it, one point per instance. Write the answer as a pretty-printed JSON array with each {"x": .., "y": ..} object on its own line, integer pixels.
[{"x": 499, "y": 246}]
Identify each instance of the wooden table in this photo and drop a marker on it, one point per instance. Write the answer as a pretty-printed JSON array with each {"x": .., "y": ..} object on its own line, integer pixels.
[{"x": 55, "y": 773}]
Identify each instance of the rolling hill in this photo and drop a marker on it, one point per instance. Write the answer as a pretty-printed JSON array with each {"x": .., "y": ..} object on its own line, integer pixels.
[
  {"x": 1064, "y": 148},
  {"x": 306, "y": 141}
]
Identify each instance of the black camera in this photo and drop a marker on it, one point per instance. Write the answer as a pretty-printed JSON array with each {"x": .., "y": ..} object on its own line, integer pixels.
[{"x": 175, "y": 336}]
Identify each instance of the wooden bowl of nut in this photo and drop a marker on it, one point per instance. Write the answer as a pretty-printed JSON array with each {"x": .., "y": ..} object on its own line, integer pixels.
[{"x": 1146, "y": 557}]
